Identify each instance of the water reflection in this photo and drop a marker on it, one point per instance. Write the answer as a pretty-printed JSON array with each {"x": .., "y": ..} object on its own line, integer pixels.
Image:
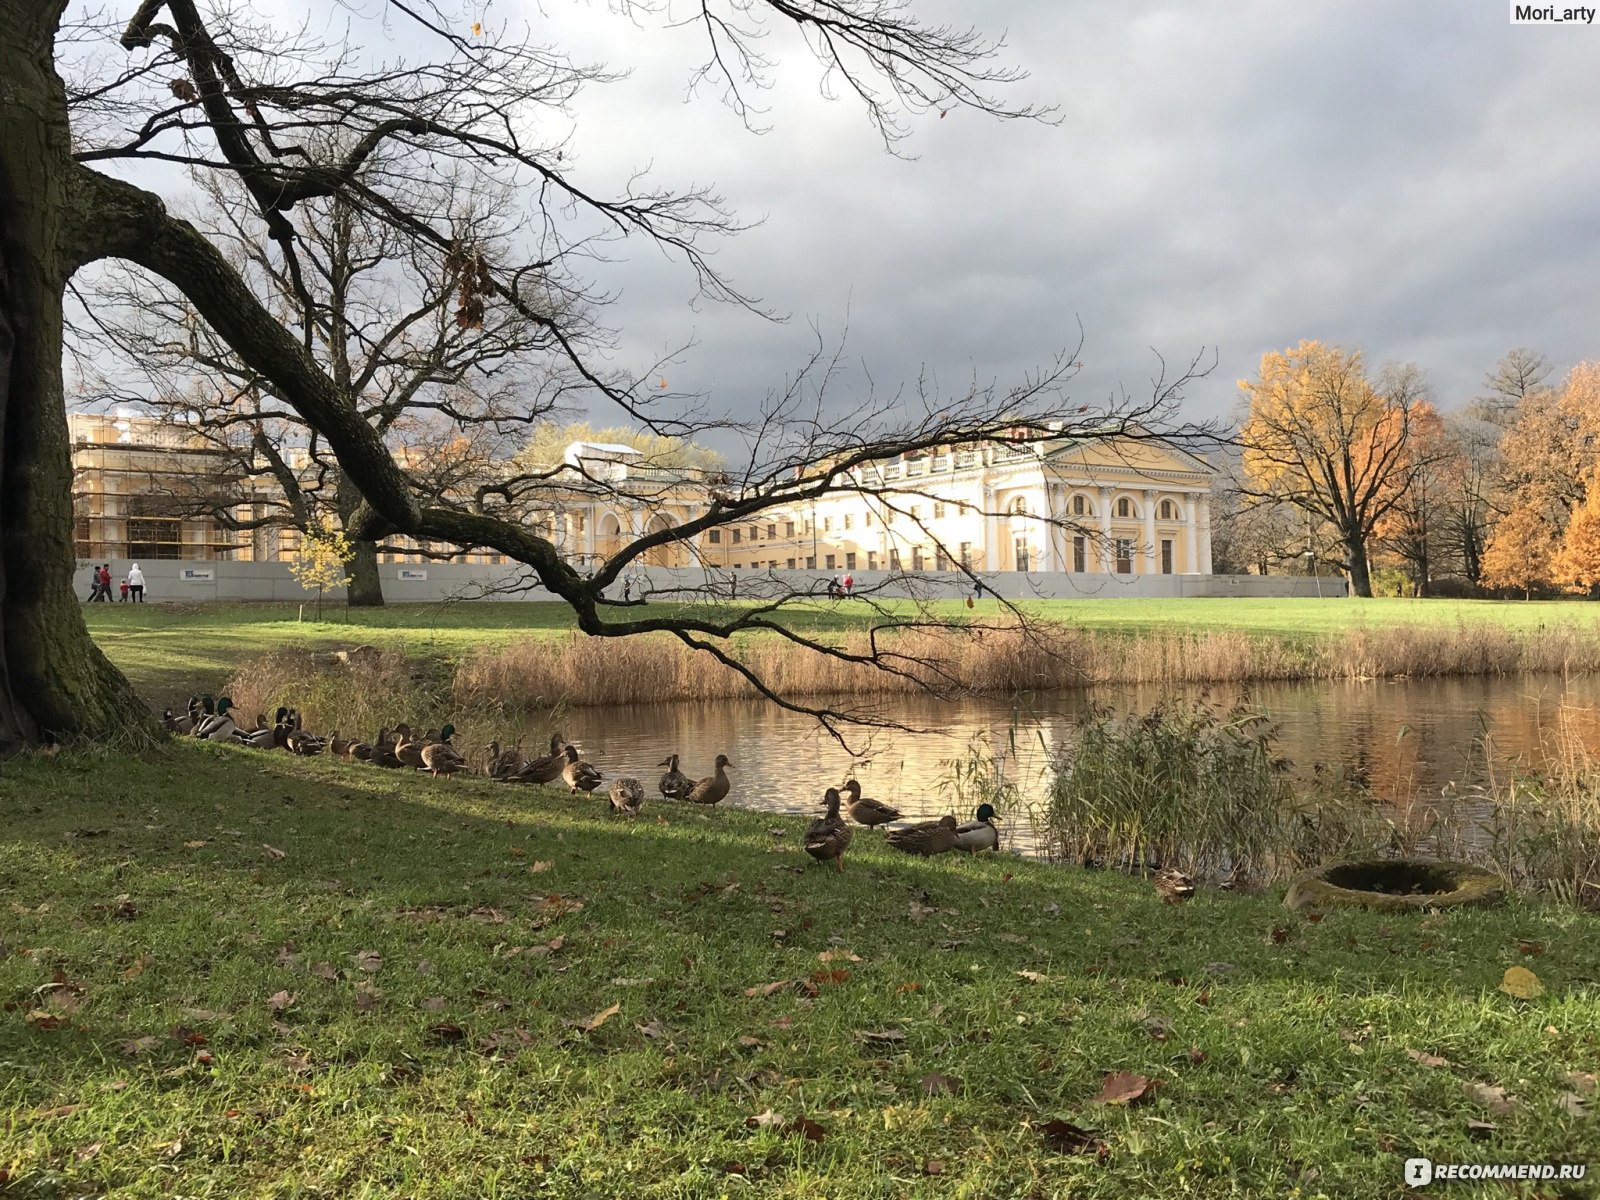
[{"x": 1407, "y": 738}]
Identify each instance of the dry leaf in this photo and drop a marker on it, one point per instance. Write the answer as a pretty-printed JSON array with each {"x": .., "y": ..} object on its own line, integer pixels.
[
  {"x": 85, "y": 1153},
  {"x": 279, "y": 1001},
  {"x": 764, "y": 1119},
  {"x": 273, "y": 851},
  {"x": 367, "y": 998},
  {"x": 194, "y": 845},
  {"x": 433, "y": 1004},
  {"x": 599, "y": 1019},
  {"x": 1496, "y": 1099},
  {"x": 140, "y": 1045},
  {"x": 838, "y": 956},
  {"x": 1122, "y": 1087},
  {"x": 750, "y": 1043},
  {"x": 1033, "y": 976},
  {"x": 325, "y": 971},
  {"x": 201, "y": 1014},
  {"x": 1479, "y": 1130},
  {"x": 654, "y": 1030},
  {"x": 369, "y": 960},
  {"x": 1066, "y": 1138},
  {"x": 446, "y": 1032},
  {"x": 881, "y": 1035},
  {"x": 1572, "y": 1104},
  {"x": 1427, "y": 1060},
  {"x": 933, "y": 1167},
  {"x": 137, "y": 967},
  {"x": 1530, "y": 948},
  {"x": 935, "y": 1084},
  {"x": 543, "y": 864},
  {"x": 1582, "y": 1082},
  {"x": 766, "y": 989},
  {"x": 425, "y": 967},
  {"x": 1196, "y": 1055},
  {"x": 1521, "y": 983}
]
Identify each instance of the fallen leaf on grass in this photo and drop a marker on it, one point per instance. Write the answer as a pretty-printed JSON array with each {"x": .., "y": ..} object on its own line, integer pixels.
[
  {"x": 1279, "y": 935},
  {"x": 1426, "y": 1059},
  {"x": 134, "y": 1047},
  {"x": 195, "y": 844},
  {"x": 85, "y": 1153},
  {"x": 1529, "y": 948},
  {"x": 1123, "y": 1087},
  {"x": 1033, "y": 976},
  {"x": 750, "y": 1043},
  {"x": 1572, "y": 1104},
  {"x": 40, "y": 1019},
  {"x": 1496, "y": 1099},
  {"x": 1158, "y": 1027},
  {"x": 766, "y": 989},
  {"x": 1582, "y": 1082},
  {"x": 909, "y": 986},
  {"x": 838, "y": 956},
  {"x": 297, "y": 1064},
  {"x": 1066, "y": 1138},
  {"x": 918, "y": 911},
  {"x": 885, "y": 1036},
  {"x": 1479, "y": 1130},
  {"x": 137, "y": 967},
  {"x": 273, "y": 852},
  {"x": 425, "y": 967},
  {"x": 510, "y": 1038},
  {"x": 279, "y": 1001},
  {"x": 1521, "y": 983},
  {"x": 367, "y": 998},
  {"x": 368, "y": 960},
  {"x": 1196, "y": 1055},
  {"x": 935, "y": 1084},
  {"x": 594, "y": 1022},
  {"x": 835, "y": 976},
  {"x": 447, "y": 1032},
  {"x": 543, "y": 864},
  {"x": 654, "y": 1030},
  {"x": 60, "y": 1110},
  {"x": 325, "y": 971},
  {"x": 434, "y": 1004}
]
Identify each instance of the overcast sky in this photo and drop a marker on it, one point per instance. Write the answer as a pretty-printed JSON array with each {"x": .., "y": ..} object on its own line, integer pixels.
[{"x": 1421, "y": 181}]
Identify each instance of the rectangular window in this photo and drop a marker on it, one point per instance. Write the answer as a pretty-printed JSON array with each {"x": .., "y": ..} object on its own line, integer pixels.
[
  {"x": 869, "y": 520},
  {"x": 772, "y": 531},
  {"x": 1080, "y": 553},
  {"x": 914, "y": 511},
  {"x": 789, "y": 562},
  {"x": 738, "y": 566},
  {"x": 735, "y": 537},
  {"x": 849, "y": 562},
  {"x": 754, "y": 533},
  {"x": 1124, "y": 556},
  {"x": 872, "y": 560},
  {"x": 1023, "y": 558},
  {"x": 827, "y": 524},
  {"x": 916, "y": 558},
  {"x": 788, "y": 529},
  {"x": 849, "y": 520},
  {"x": 1166, "y": 556},
  {"x": 966, "y": 555},
  {"x": 894, "y": 560},
  {"x": 938, "y": 511},
  {"x": 829, "y": 561},
  {"x": 811, "y": 562},
  {"x": 940, "y": 562},
  {"x": 715, "y": 536}
]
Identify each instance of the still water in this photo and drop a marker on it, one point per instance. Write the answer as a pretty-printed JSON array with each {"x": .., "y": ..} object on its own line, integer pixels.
[{"x": 1407, "y": 738}]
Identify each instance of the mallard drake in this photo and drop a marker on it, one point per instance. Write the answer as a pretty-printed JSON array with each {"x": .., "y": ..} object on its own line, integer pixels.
[
  {"x": 864, "y": 811},
  {"x": 1173, "y": 886},
  {"x": 627, "y": 797},
  {"x": 442, "y": 758},
  {"x": 928, "y": 837},
  {"x": 545, "y": 769},
  {"x": 579, "y": 775},
  {"x": 828, "y": 837},
  {"x": 713, "y": 789},
  {"x": 980, "y": 833},
  {"x": 220, "y": 725},
  {"x": 675, "y": 785}
]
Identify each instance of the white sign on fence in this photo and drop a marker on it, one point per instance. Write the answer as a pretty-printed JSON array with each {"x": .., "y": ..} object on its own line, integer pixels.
[
  {"x": 197, "y": 575},
  {"x": 412, "y": 575}
]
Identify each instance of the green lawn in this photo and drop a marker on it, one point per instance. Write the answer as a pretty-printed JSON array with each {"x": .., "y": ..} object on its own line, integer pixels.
[
  {"x": 170, "y": 650},
  {"x": 228, "y": 973}
]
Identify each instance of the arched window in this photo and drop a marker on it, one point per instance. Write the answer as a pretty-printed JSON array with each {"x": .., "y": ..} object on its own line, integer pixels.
[
  {"x": 1168, "y": 510},
  {"x": 1019, "y": 506},
  {"x": 1080, "y": 506},
  {"x": 1124, "y": 507}
]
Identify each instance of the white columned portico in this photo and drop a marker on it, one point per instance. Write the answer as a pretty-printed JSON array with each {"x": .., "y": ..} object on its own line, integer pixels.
[
  {"x": 1191, "y": 524},
  {"x": 1205, "y": 535},
  {"x": 1150, "y": 566},
  {"x": 588, "y": 532},
  {"x": 1106, "y": 548}
]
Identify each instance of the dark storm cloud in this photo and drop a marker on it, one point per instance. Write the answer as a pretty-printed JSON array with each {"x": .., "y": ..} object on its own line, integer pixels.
[{"x": 1415, "y": 180}]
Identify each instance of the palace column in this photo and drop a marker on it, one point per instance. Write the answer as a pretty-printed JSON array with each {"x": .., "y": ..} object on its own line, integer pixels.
[
  {"x": 1205, "y": 535},
  {"x": 1150, "y": 565},
  {"x": 1191, "y": 560},
  {"x": 991, "y": 532},
  {"x": 1106, "y": 548},
  {"x": 1047, "y": 549}
]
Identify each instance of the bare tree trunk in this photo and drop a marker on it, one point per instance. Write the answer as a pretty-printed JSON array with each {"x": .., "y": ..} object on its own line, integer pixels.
[
  {"x": 365, "y": 589},
  {"x": 54, "y": 682},
  {"x": 1360, "y": 570}
]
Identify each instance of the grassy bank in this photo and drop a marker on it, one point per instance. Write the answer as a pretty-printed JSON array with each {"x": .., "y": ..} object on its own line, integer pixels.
[
  {"x": 527, "y": 655},
  {"x": 227, "y": 973}
]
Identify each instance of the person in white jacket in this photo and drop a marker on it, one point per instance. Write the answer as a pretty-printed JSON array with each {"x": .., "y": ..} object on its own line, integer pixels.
[{"x": 136, "y": 583}]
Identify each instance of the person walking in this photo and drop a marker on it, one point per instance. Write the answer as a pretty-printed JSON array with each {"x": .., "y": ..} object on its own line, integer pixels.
[
  {"x": 849, "y": 585},
  {"x": 124, "y": 598},
  {"x": 136, "y": 583},
  {"x": 102, "y": 583}
]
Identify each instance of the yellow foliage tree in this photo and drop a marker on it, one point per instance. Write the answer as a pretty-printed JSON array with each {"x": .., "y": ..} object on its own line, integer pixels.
[
  {"x": 1578, "y": 559},
  {"x": 1323, "y": 437},
  {"x": 1522, "y": 552},
  {"x": 320, "y": 561}
]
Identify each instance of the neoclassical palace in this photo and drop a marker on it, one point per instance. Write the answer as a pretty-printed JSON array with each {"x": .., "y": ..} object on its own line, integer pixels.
[{"x": 1110, "y": 505}]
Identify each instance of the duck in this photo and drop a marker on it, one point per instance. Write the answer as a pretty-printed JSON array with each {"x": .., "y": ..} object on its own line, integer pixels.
[
  {"x": 441, "y": 758},
  {"x": 713, "y": 789},
  {"x": 1173, "y": 886},
  {"x": 505, "y": 763},
  {"x": 173, "y": 723},
  {"x": 220, "y": 725},
  {"x": 298, "y": 741},
  {"x": 627, "y": 796},
  {"x": 339, "y": 747},
  {"x": 579, "y": 775},
  {"x": 865, "y": 811},
  {"x": 545, "y": 769},
  {"x": 675, "y": 785},
  {"x": 828, "y": 837},
  {"x": 409, "y": 749},
  {"x": 928, "y": 837},
  {"x": 265, "y": 736},
  {"x": 979, "y": 833},
  {"x": 383, "y": 754}
]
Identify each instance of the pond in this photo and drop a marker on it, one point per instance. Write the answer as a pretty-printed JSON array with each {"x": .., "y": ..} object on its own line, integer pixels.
[{"x": 1407, "y": 738}]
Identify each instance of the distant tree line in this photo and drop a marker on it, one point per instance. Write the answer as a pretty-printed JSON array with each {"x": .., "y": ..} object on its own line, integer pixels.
[{"x": 1345, "y": 469}]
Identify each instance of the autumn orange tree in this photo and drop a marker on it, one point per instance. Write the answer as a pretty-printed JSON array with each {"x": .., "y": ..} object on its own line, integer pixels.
[
  {"x": 1414, "y": 527},
  {"x": 1323, "y": 437},
  {"x": 1549, "y": 459}
]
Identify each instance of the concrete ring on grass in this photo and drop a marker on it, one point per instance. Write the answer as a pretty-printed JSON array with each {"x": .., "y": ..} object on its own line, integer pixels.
[{"x": 1394, "y": 885}]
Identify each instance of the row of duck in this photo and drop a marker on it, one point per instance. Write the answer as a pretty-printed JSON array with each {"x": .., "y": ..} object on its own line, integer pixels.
[{"x": 397, "y": 747}]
